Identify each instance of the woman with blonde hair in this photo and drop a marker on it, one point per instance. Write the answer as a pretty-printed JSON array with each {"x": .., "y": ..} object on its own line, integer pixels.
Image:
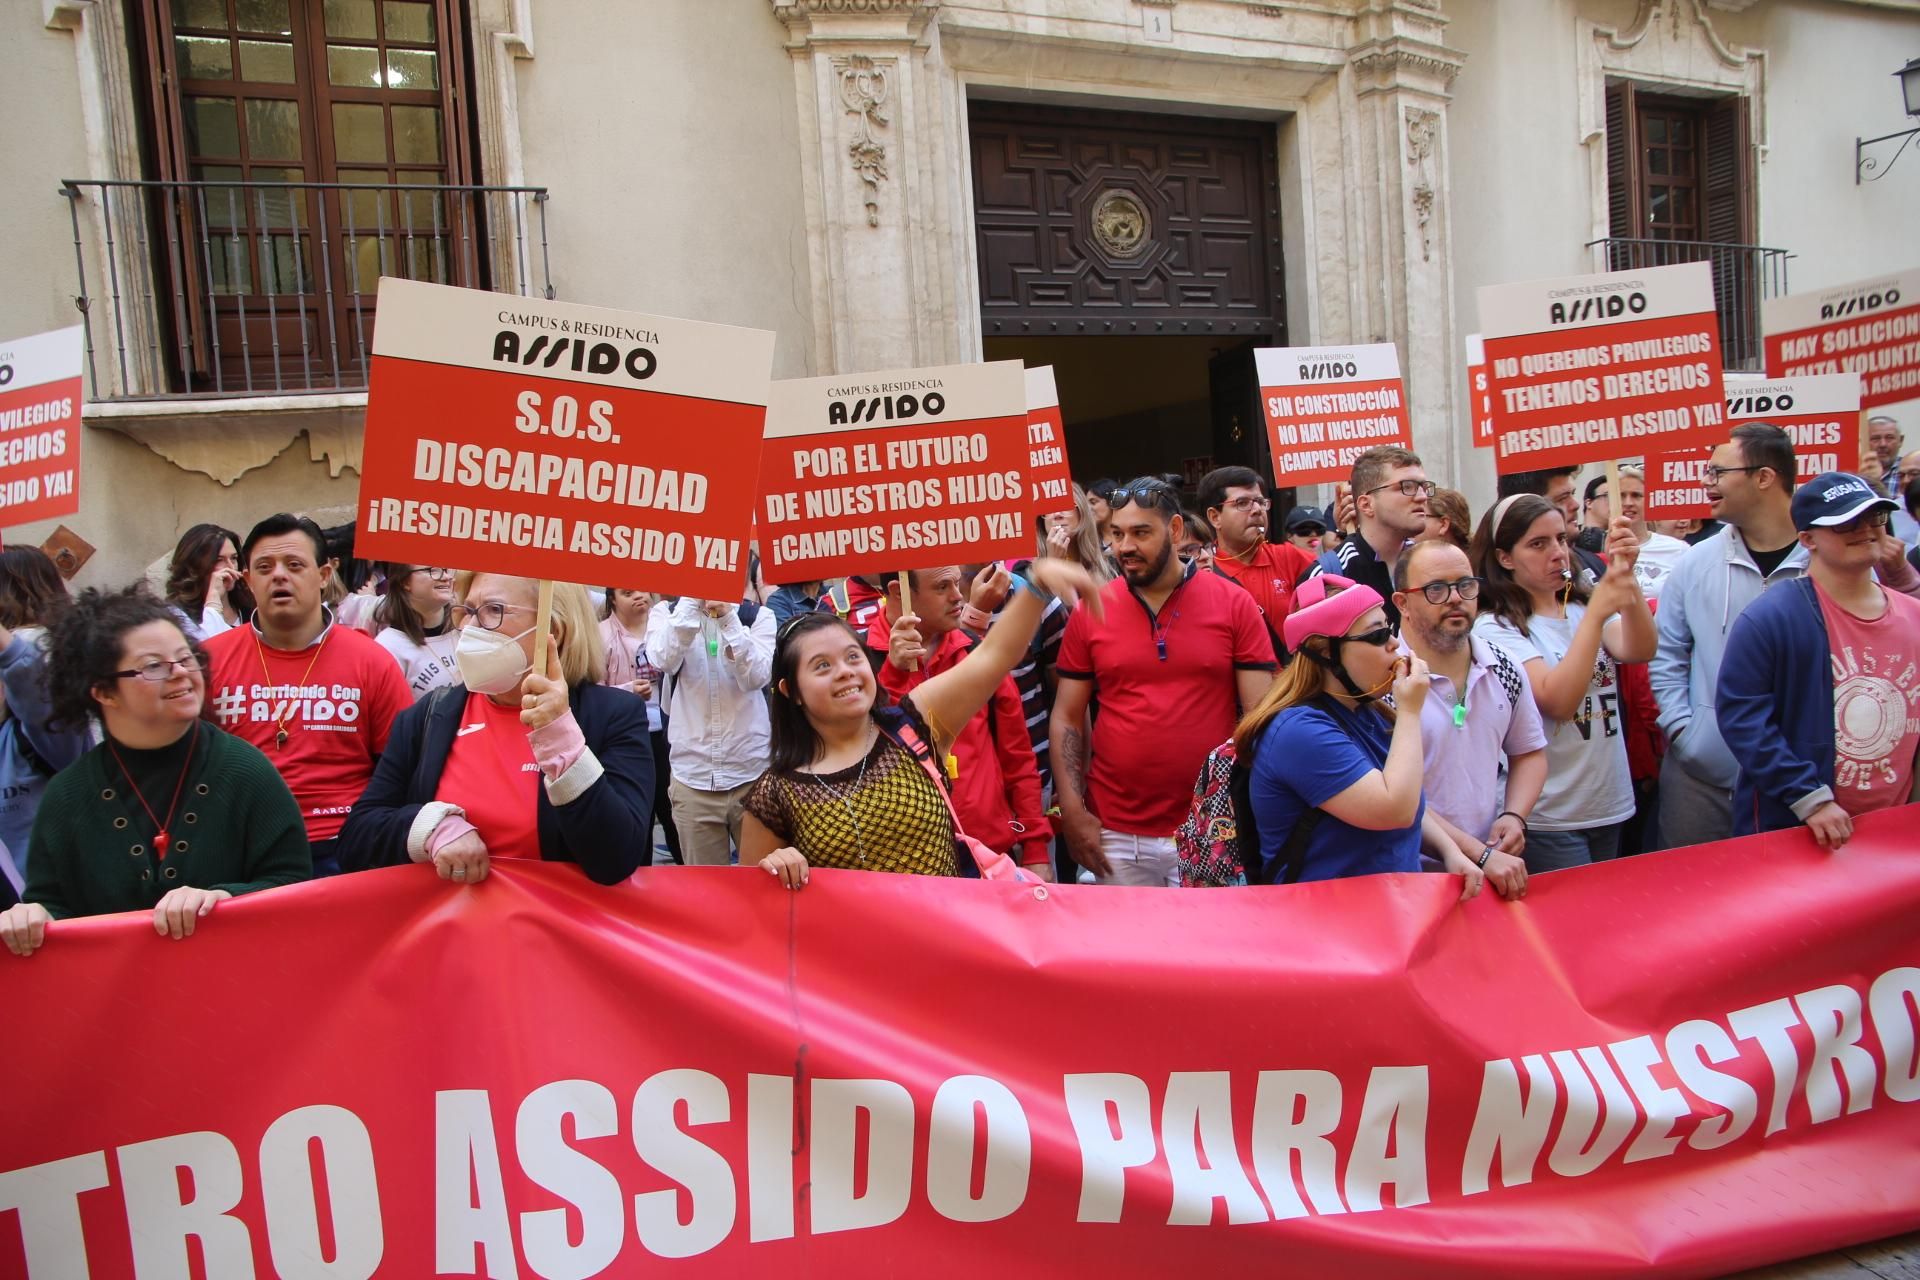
[
  {"x": 511, "y": 762},
  {"x": 1074, "y": 536},
  {"x": 1334, "y": 773}
]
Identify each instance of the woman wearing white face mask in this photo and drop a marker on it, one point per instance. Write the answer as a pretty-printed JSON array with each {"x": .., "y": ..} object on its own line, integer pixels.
[{"x": 513, "y": 763}]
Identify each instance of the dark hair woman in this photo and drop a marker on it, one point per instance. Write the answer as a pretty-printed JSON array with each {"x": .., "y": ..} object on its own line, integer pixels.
[
  {"x": 32, "y": 597},
  {"x": 203, "y": 815},
  {"x": 849, "y": 783},
  {"x": 1568, "y": 637},
  {"x": 414, "y": 622},
  {"x": 204, "y": 583}
]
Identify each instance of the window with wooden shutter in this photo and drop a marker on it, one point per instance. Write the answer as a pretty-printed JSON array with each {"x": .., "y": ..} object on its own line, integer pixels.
[
  {"x": 1679, "y": 189},
  {"x": 249, "y": 96}
]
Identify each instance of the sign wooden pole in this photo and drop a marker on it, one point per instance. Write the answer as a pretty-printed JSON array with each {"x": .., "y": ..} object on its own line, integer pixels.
[
  {"x": 906, "y": 603},
  {"x": 543, "y": 626}
]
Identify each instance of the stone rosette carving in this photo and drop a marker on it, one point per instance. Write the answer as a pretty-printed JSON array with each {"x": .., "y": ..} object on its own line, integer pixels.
[
  {"x": 1120, "y": 224},
  {"x": 865, "y": 85}
]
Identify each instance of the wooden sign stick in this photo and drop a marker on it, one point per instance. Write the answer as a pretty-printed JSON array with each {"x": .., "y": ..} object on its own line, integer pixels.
[{"x": 543, "y": 626}]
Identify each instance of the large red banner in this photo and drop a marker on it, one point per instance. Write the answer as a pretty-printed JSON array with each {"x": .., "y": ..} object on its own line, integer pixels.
[
  {"x": 1688, "y": 1062},
  {"x": 1868, "y": 327}
]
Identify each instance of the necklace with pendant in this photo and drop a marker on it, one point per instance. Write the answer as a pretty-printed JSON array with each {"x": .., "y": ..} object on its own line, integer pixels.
[{"x": 161, "y": 840}]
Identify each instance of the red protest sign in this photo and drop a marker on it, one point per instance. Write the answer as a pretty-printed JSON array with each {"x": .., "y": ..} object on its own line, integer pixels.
[
  {"x": 1869, "y": 327},
  {"x": 1479, "y": 398},
  {"x": 1587, "y": 368},
  {"x": 524, "y": 436},
  {"x": 1047, "y": 469},
  {"x": 40, "y": 426},
  {"x": 909, "y": 469},
  {"x": 1325, "y": 406},
  {"x": 1821, "y": 412}
]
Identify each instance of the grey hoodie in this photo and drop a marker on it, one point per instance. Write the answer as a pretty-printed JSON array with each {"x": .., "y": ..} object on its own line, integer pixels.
[{"x": 1706, "y": 591}]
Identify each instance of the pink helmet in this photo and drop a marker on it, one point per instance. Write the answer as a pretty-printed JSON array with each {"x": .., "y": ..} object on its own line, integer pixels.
[{"x": 1326, "y": 606}]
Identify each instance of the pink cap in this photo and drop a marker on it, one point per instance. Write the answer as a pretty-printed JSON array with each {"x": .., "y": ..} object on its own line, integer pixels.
[{"x": 1326, "y": 606}]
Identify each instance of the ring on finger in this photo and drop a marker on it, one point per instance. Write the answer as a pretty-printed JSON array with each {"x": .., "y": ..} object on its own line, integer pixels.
[{"x": 459, "y": 873}]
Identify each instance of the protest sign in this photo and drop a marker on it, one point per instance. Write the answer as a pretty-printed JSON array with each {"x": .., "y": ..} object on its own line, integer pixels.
[
  {"x": 1821, "y": 412},
  {"x": 538, "y": 438},
  {"x": 1870, "y": 327},
  {"x": 1047, "y": 469},
  {"x": 40, "y": 426},
  {"x": 1407, "y": 1085},
  {"x": 906, "y": 469},
  {"x": 1325, "y": 406},
  {"x": 1479, "y": 397},
  {"x": 1593, "y": 368}
]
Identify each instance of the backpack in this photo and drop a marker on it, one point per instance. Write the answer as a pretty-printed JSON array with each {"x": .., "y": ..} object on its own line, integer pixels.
[{"x": 1218, "y": 839}]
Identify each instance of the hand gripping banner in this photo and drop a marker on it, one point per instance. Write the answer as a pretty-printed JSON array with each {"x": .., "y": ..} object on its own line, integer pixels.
[{"x": 1693, "y": 1062}]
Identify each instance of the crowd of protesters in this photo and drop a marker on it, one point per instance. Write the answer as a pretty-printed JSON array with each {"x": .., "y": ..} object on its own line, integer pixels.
[{"x": 1386, "y": 684}]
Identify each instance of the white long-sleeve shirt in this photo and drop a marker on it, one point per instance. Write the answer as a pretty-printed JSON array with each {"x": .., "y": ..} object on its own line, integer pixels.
[{"x": 717, "y": 728}]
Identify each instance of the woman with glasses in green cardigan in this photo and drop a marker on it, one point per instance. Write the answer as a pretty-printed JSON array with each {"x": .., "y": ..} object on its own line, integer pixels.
[{"x": 169, "y": 814}]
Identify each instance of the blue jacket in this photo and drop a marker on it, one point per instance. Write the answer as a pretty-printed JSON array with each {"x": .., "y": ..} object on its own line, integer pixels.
[
  {"x": 30, "y": 752},
  {"x": 607, "y": 829},
  {"x": 1775, "y": 700}
]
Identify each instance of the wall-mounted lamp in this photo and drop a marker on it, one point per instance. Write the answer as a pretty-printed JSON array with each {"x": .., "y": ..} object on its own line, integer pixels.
[{"x": 1870, "y": 167}]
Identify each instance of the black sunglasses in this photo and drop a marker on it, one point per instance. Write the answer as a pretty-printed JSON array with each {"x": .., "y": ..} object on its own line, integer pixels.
[
  {"x": 1377, "y": 637},
  {"x": 1147, "y": 493}
]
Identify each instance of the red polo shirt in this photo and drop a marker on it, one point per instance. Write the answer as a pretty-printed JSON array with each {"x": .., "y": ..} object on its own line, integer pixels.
[
  {"x": 1167, "y": 693},
  {"x": 1268, "y": 577}
]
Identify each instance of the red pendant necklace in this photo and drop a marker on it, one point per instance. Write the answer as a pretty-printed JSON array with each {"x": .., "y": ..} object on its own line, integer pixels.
[{"x": 160, "y": 837}]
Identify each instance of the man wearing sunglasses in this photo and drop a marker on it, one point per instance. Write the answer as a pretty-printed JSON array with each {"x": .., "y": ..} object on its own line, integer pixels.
[
  {"x": 1390, "y": 493},
  {"x": 1178, "y": 656},
  {"x": 1479, "y": 722},
  {"x": 1815, "y": 750}
]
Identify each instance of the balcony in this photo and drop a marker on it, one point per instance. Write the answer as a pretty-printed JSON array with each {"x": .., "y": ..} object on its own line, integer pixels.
[
  {"x": 1743, "y": 274},
  {"x": 204, "y": 290}
]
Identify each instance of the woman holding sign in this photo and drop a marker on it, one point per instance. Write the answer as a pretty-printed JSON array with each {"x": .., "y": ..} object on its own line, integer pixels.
[
  {"x": 852, "y": 782},
  {"x": 1569, "y": 638},
  {"x": 513, "y": 762}
]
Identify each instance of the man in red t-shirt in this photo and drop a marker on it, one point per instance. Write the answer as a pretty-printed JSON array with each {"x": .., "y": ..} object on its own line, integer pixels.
[
  {"x": 1237, "y": 507},
  {"x": 316, "y": 698},
  {"x": 1179, "y": 654},
  {"x": 995, "y": 781}
]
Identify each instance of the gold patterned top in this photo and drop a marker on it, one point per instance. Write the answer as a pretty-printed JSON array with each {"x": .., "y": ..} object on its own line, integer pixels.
[{"x": 892, "y": 819}]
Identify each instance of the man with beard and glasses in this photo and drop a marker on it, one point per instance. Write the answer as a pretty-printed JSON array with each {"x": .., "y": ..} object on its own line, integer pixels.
[
  {"x": 1177, "y": 656},
  {"x": 1237, "y": 507},
  {"x": 1479, "y": 726},
  {"x": 1390, "y": 494}
]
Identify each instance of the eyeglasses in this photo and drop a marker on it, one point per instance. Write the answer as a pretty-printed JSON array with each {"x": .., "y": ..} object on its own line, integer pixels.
[
  {"x": 1871, "y": 520},
  {"x": 1408, "y": 488},
  {"x": 1377, "y": 637},
  {"x": 1715, "y": 473},
  {"x": 1307, "y": 531},
  {"x": 491, "y": 614},
  {"x": 1437, "y": 591},
  {"x": 1249, "y": 504},
  {"x": 434, "y": 574},
  {"x": 160, "y": 670}
]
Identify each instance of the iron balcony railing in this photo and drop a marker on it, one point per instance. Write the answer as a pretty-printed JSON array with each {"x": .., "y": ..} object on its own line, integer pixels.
[
  {"x": 211, "y": 288},
  {"x": 1743, "y": 274}
]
